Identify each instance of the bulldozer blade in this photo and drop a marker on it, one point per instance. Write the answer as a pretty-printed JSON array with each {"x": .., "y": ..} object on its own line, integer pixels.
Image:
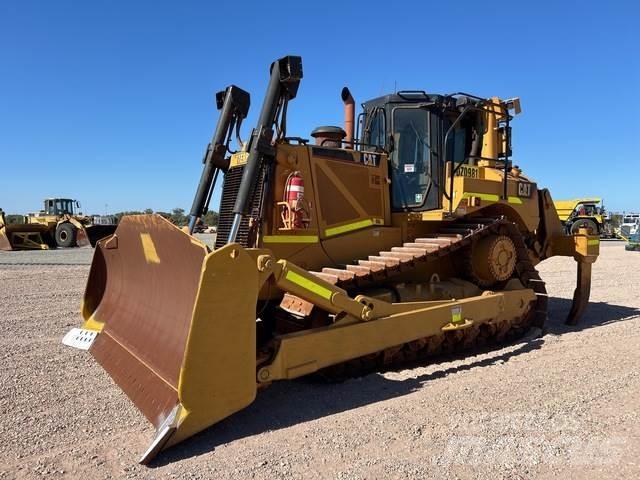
[
  {"x": 581, "y": 293},
  {"x": 175, "y": 323}
]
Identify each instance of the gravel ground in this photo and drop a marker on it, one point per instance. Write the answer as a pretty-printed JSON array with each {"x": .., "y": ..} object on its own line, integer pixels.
[{"x": 562, "y": 405}]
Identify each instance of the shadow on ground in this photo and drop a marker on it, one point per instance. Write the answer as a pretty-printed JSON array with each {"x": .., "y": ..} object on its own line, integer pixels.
[
  {"x": 288, "y": 403},
  {"x": 596, "y": 315}
]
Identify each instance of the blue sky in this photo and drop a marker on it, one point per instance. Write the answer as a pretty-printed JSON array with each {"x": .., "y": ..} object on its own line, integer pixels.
[{"x": 111, "y": 102}]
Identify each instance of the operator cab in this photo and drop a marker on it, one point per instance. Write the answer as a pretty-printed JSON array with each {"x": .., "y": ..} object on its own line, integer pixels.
[
  {"x": 60, "y": 206},
  {"x": 412, "y": 126}
]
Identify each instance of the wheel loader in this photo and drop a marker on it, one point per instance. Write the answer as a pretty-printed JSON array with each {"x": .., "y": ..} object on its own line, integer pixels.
[
  {"x": 408, "y": 233},
  {"x": 58, "y": 224}
]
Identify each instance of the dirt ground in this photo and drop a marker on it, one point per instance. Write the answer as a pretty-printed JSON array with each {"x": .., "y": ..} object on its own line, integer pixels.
[{"x": 564, "y": 405}]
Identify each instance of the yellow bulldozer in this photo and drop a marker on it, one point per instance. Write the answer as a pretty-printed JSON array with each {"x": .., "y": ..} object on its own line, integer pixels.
[
  {"x": 58, "y": 224},
  {"x": 411, "y": 235}
]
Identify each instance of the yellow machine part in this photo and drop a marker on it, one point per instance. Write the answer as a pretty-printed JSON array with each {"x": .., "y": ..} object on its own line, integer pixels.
[
  {"x": 566, "y": 207},
  {"x": 21, "y": 236},
  {"x": 176, "y": 325},
  {"x": 182, "y": 348},
  {"x": 178, "y": 332}
]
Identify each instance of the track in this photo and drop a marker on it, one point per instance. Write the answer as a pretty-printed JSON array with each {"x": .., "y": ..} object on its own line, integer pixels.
[{"x": 381, "y": 269}]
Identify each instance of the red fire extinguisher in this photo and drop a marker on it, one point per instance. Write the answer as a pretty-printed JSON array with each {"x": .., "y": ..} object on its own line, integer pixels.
[{"x": 294, "y": 215}]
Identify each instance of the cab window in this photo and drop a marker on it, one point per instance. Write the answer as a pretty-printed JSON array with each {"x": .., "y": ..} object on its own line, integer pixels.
[
  {"x": 374, "y": 129},
  {"x": 414, "y": 160}
]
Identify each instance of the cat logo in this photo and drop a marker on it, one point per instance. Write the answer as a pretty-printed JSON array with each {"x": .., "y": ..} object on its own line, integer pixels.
[
  {"x": 370, "y": 159},
  {"x": 524, "y": 189}
]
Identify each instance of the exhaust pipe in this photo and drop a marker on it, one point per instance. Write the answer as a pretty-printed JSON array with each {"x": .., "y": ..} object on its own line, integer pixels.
[{"x": 349, "y": 116}]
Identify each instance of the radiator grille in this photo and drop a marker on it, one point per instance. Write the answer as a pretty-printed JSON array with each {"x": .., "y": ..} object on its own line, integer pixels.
[{"x": 230, "y": 188}]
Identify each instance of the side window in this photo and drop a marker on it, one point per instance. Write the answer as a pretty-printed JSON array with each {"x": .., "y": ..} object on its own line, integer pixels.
[
  {"x": 457, "y": 145},
  {"x": 374, "y": 129},
  {"x": 465, "y": 141}
]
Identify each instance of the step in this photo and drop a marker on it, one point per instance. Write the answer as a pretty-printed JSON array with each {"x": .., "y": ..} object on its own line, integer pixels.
[{"x": 296, "y": 305}]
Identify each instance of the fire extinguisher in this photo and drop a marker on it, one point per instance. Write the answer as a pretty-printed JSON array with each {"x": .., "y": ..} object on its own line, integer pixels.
[{"x": 294, "y": 211}]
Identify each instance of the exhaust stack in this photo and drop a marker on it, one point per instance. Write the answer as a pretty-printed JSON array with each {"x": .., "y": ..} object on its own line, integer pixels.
[{"x": 349, "y": 115}]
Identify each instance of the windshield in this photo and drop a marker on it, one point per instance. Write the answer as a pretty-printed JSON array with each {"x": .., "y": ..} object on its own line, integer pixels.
[
  {"x": 64, "y": 205},
  {"x": 414, "y": 160}
]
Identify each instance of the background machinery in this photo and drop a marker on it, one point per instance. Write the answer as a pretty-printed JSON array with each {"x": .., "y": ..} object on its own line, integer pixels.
[
  {"x": 583, "y": 213},
  {"x": 59, "y": 224},
  {"x": 21, "y": 236},
  {"x": 630, "y": 225},
  {"x": 633, "y": 243},
  {"x": 412, "y": 236}
]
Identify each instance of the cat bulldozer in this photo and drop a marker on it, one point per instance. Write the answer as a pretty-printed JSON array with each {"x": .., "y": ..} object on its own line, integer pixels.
[
  {"x": 411, "y": 236},
  {"x": 58, "y": 224}
]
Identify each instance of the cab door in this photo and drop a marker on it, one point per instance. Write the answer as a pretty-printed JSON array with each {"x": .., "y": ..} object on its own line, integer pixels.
[{"x": 415, "y": 163}]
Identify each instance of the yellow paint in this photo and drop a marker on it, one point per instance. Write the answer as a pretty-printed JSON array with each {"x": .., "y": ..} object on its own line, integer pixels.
[
  {"x": 149, "y": 249},
  {"x": 566, "y": 207},
  {"x": 489, "y": 197},
  {"x": 217, "y": 376},
  {"x": 492, "y": 197},
  {"x": 308, "y": 285},
  {"x": 468, "y": 171},
  {"x": 92, "y": 324},
  {"x": 290, "y": 239},
  {"x": 353, "y": 226},
  {"x": 238, "y": 159}
]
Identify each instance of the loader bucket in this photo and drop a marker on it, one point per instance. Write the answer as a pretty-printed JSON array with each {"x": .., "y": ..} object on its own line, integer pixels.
[
  {"x": 98, "y": 232},
  {"x": 176, "y": 325},
  {"x": 22, "y": 236}
]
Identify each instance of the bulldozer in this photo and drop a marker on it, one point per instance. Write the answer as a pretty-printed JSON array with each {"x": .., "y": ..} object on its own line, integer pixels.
[
  {"x": 59, "y": 224},
  {"x": 406, "y": 234}
]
